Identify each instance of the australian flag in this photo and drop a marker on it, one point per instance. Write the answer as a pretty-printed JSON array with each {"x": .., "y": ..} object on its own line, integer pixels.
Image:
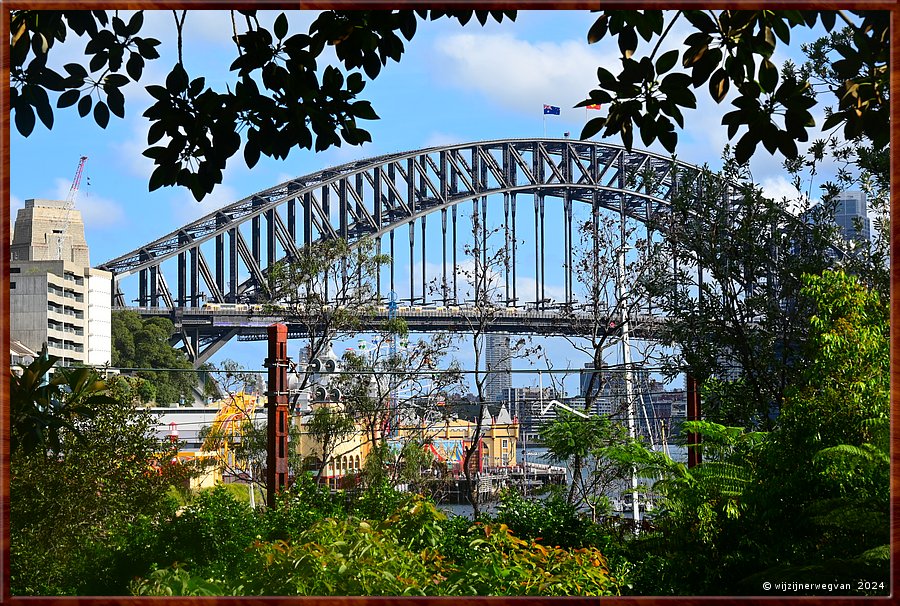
[{"x": 551, "y": 109}]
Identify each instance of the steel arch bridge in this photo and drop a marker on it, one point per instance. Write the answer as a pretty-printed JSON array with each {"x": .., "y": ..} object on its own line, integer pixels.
[{"x": 375, "y": 198}]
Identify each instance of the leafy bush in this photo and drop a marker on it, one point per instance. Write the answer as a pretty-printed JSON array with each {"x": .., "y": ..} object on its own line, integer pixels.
[
  {"x": 456, "y": 537},
  {"x": 176, "y": 581},
  {"x": 551, "y": 521},
  {"x": 341, "y": 557},
  {"x": 212, "y": 534},
  {"x": 298, "y": 508},
  {"x": 378, "y": 499},
  {"x": 415, "y": 525},
  {"x": 507, "y": 565},
  {"x": 399, "y": 555},
  {"x": 83, "y": 475}
]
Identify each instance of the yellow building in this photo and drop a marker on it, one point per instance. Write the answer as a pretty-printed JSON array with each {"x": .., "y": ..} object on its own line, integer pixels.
[
  {"x": 447, "y": 439},
  {"x": 347, "y": 456}
]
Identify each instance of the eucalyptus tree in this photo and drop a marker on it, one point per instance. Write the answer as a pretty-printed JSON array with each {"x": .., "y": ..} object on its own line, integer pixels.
[
  {"x": 481, "y": 274},
  {"x": 327, "y": 290},
  {"x": 617, "y": 268},
  {"x": 731, "y": 294}
]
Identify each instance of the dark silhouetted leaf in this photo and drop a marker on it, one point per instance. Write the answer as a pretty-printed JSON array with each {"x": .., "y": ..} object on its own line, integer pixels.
[
  {"x": 280, "y": 27},
  {"x": 24, "y": 119},
  {"x": 101, "y": 114},
  {"x": 718, "y": 85},
  {"x": 84, "y": 106},
  {"x": 666, "y": 61},
  {"x": 68, "y": 98}
]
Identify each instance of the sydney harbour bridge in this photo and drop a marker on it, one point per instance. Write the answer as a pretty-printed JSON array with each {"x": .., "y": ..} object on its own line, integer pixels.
[{"x": 416, "y": 207}]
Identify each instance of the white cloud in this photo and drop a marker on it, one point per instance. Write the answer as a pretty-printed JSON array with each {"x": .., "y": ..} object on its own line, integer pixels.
[
  {"x": 779, "y": 187},
  {"x": 131, "y": 151},
  {"x": 96, "y": 212},
  {"x": 185, "y": 209},
  {"x": 520, "y": 74}
]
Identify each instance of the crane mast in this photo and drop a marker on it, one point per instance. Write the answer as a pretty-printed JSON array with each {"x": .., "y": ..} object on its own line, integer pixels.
[{"x": 70, "y": 204}]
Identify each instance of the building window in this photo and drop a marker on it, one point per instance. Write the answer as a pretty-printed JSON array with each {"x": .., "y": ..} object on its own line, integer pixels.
[
  {"x": 12, "y": 285},
  {"x": 504, "y": 443}
]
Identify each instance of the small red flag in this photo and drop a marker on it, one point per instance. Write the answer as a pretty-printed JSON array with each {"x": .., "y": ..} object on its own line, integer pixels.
[{"x": 593, "y": 107}]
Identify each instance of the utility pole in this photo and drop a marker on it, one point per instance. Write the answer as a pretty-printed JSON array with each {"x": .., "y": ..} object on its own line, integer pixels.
[
  {"x": 693, "y": 414},
  {"x": 277, "y": 414},
  {"x": 622, "y": 302},
  {"x": 629, "y": 387}
]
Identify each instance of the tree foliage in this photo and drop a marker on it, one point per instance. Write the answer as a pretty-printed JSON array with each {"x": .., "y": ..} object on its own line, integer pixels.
[
  {"x": 327, "y": 289},
  {"x": 43, "y": 408},
  {"x": 144, "y": 344},
  {"x": 808, "y": 500},
  {"x": 281, "y": 98},
  {"x": 74, "y": 496},
  {"x": 732, "y": 50},
  {"x": 580, "y": 444},
  {"x": 731, "y": 292}
]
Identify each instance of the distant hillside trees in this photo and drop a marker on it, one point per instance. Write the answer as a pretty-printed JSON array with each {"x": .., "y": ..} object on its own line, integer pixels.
[{"x": 144, "y": 344}]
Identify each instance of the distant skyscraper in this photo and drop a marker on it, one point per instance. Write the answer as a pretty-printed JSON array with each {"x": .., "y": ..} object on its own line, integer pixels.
[
  {"x": 850, "y": 211},
  {"x": 498, "y": 364},
  {"x": 585, "y": 380}
]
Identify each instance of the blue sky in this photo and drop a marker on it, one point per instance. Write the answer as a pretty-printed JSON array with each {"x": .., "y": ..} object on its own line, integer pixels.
[{"x": 454, "y": 84}]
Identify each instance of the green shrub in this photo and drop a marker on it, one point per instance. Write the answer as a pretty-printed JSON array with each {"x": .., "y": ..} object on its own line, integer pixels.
[
  {"x": 378, "y": 499},
  {"x": 298, "y": 508},
  {"x": 212, "y": 534},
  {"x": 341, "y": 557},
  {"x": 456, "y": 536},
  {"x": 552, "y": 521},
  {"x": 176, "y": 581},
  {"x": 401, "y": 554},
  {"x": 507, "y": 565}
]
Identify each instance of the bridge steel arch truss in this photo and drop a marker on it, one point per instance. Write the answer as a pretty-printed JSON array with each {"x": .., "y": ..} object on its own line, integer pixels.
[{"x": 224, "y": 256}]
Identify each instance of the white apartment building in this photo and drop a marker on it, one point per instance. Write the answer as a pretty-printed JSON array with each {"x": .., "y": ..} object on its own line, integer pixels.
[{"x": 56, "y": 298}]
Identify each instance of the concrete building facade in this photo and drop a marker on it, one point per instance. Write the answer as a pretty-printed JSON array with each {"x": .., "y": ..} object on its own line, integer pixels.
[
  {"x": 44, "y": 228},
  {"x": 531, "y": 407},
  {"x": 62, "y": 302}
]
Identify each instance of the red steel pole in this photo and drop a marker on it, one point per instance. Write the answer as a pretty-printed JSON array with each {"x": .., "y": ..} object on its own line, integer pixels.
[
  {"x": 277, "y": 414},
  {"x": 693, "y": 414}
]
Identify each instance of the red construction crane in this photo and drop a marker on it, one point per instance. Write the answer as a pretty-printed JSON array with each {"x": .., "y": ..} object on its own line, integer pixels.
[{"x": 70, "y": 204}]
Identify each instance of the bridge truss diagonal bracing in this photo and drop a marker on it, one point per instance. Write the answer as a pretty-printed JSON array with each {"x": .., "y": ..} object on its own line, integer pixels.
[{"x": 534, "y": 191}]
